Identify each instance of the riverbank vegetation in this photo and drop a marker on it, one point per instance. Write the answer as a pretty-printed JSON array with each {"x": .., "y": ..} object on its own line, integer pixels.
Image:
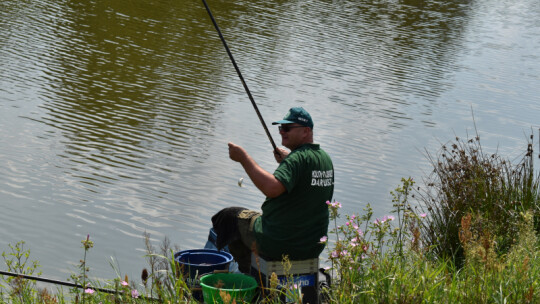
[{"x": 468, "y": 235}]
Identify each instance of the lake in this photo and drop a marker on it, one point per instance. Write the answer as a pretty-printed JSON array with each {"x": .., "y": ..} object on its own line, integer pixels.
[{"x": 115, "y": 116}]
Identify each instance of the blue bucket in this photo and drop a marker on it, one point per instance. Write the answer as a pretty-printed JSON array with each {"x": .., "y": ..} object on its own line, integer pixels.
[{"x": 196, "y": 262}]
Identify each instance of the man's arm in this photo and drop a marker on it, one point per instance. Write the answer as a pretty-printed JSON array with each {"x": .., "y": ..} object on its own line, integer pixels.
[{"x": 264, "y": 180}]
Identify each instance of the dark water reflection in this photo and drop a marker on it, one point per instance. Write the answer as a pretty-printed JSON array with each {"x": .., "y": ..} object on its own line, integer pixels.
[{"x": 114, "y": 115}]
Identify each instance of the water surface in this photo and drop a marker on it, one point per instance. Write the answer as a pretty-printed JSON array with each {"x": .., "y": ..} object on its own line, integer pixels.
[{"x": 115, "y": 116}]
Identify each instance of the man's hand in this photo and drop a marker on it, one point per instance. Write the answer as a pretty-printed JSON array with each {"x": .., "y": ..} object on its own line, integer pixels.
[
  {"x": 237, "y": 153},
  {"x": 264, "y": 180},
  {"x": 280, "y": 154}
]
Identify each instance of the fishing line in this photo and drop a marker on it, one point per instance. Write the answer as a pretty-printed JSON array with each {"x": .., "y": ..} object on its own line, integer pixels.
[{"x": 239, "y": 74}]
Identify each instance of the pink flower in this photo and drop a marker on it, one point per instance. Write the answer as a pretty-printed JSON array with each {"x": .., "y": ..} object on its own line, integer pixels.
[
  {"x": 89, "y": 291},
  {"x": 423, "y": 215},
  {"x": 124, "y": 283},
  {"x": 388, "y": 218},
  {"x": 334, "y": 205},
  {"x": 384, "y": 219},
  {"x": 324, "y": 239},
  {"x": 134, "y": 294},
  {"x": 335, "y": 254}
]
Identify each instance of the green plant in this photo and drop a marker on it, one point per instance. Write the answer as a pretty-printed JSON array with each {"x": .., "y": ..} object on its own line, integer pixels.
[
  {"x": 164, "y": 280},
  {"x": 82, "y": 276},
  {"x": 466, "y": 179},
  {"x": 17, "y": 261}
]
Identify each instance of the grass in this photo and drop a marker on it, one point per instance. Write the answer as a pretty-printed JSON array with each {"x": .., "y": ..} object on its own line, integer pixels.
[
  {"x": 467, "y": 180},
  {"x": 469, "y": 236}
]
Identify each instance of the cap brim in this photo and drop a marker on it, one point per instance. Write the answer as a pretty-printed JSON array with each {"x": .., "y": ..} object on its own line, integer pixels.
[{"x": 283, "y": 121}]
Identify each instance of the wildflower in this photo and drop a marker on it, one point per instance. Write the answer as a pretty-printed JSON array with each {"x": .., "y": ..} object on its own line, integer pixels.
[
  {"x": 89, "y": 291},
  {"x": 323, "y": 239},
  {"x": 344, "y": 253},
  {"x": 355, "y": 226},
  {"x": 360, "y": 232},
  {"x": 335, "y": 254},
  {"x": 124, "y": 283},
  {"x": 422, "y": 215},
  {"x": 365, "y": 248},
  {"x": 87, "y": 244},
  {"x": 134, "y": 294},
  {"x": 384, "y": 219},
  {"x": 334, "y": 205},
  {"x": 388, "y": 218}
]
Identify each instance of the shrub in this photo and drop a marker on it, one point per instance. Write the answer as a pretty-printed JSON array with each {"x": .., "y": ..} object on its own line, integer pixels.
[{"x": 465, "y": 180}]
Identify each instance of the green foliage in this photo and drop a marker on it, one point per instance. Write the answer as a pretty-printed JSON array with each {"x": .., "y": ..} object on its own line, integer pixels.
[
  {"x": 83, "y": 268},
  {"x": 17, "y": 261},
  {"x": 473, "y": 238},
  {"x": 465, "y": 180},
  {"x": 404, "y": 273}
]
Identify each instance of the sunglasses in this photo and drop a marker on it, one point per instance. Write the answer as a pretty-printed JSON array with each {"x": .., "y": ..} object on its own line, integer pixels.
[{"x": 287, "y": 128}]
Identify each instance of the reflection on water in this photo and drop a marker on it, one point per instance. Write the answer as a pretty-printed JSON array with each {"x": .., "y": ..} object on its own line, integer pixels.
[{"x": 114, "y": 117}]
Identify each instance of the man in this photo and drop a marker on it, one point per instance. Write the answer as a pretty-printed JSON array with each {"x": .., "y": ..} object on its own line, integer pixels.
[{"x": 294, "y": 214}]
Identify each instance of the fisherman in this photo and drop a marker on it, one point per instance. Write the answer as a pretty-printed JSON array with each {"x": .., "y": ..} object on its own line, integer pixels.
[{"x": 295, "y": 214}]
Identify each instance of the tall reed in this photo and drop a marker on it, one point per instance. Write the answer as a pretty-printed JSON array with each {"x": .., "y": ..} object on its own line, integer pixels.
[{"x": 465, "y": 179}]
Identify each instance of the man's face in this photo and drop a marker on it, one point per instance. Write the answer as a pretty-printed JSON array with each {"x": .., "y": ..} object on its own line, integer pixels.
[{"x": 292, "y": 135}]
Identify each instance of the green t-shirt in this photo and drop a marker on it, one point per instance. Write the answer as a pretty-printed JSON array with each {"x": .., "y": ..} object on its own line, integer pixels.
[{"x": 293, "y": 223}]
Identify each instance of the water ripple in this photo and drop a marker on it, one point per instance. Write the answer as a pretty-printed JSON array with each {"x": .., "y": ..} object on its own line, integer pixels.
[{"x": 114, "y": 118}]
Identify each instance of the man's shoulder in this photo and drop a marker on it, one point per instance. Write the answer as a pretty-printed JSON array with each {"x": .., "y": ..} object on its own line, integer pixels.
[{"x": 309, "y": 150}]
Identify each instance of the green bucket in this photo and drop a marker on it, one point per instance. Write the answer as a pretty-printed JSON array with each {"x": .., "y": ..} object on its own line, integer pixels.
[{"x": 237, "y": 286}]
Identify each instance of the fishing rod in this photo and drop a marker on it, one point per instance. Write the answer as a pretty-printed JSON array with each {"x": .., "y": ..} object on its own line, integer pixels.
[
  {"x": 57, "y": 282},
  {"x": 52, "y": 281},
  {"x": 239, "y": 74}
]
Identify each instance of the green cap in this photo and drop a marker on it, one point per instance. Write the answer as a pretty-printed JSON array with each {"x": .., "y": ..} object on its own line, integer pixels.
[{"x": 296, "y": 115}]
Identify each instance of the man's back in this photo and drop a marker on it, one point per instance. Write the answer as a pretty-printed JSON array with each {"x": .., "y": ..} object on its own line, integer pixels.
[{"x": 294, "y": 222}]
